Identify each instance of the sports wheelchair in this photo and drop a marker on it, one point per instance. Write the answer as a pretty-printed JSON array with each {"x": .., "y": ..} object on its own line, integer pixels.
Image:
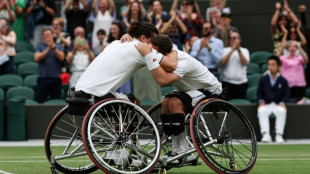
[{"x": 216, "y": 130}]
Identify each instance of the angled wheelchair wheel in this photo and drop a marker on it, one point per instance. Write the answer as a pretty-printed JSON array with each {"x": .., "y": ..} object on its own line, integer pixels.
[
  {"x": 63, "y": 141},
  {"x": 223, "y": 137},
  {"x": 120, "y": 137}
]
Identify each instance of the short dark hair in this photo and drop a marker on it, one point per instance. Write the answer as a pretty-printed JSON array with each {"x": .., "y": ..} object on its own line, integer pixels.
[
  {"x": 137, "y": 29},
  {"x": 47, "y": 29},
  {"x": 163, "y": 42},
  {"x": 101, "y": 32},
  {"x": 275, "y": 58}
]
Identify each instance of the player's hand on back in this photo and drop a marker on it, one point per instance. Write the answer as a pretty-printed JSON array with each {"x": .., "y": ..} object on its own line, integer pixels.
[
  {"x": 126, "y": 38},
  {"x": 144, "y": 48}
]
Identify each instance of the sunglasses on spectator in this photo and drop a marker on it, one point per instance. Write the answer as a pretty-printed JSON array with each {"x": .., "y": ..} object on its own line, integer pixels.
[
  {"x": 233, "y": 38},
  {"x": 187, "y": 4}
]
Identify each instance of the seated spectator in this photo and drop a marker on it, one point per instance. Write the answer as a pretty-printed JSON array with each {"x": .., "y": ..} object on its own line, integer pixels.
[
  {"x": 40, "y": 14},
  {"x": 294, "y": 34},
  {"x": 79, "y": 59},
  {"x": 18, "y": 26},
  {"x": 101, "y": 35},
  {"x": 157, "y": 16},
  {"x": 136, "y": 13},
  {"x": 6, "y": 11},
  {"x": 75, "y": 15},
  {"x": 190, "y": 16},
  {"x": 233, "y": 68},
  {"x": 60, "y": 37},
  {"x": 5, "y": 64},
  {"x": 223, "y": 29},
  {"x": 281, "y": 18},
  {"x": 293, "y": 70},
  {"x": 9, "y": 37},
  {"x": 103, "y": 17},
  {"x": 175, "y": 29},
  {"x": 272, "y": 95},
  {"x": 208, "y": 49}
]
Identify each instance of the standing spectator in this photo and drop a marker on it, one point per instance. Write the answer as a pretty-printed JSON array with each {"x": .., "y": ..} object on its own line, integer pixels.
[
  {"x": 136, "y": 13},
  {"x": 124, "y": 8},
  {"x": 9, "y": 37},
  {"x": 78, "y": 31},
  {"x": 233, "y": 68},
  {"x": 294, "y": 34},
  {"x": 293, "y": 70},
  {"x": 175, "y": 29},
  {"x": 79, "y": 59},
  {"x": 6, "y": 11},
  {"x": 157, "y": 16},
  {"x": 272, "y": 94},
  {"x": 306, "y": 31},
  {"x": 217, "y": 7},
  {"x": 208, "y": 49},
  {"x": 281, "y": 19},
  {"x": 103, "y": 17},
  {"x": 213, "y": 16},
  {"x": 40, "y": 14},
  {"x": 18, "y": 26},
  {"x": 224, "y": 28},
  {"x": 60, "y": 37},
  {"x": 116, "y": 32},
  {"x": 191, "y": 17},
  {"x": 49, "y": 56},
  {"x": 97, "y": 49},
  {"x": 75, "y": 15}
]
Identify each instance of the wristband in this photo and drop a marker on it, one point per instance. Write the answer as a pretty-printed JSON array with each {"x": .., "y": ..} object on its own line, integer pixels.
[{"x": 151, "y": 61}]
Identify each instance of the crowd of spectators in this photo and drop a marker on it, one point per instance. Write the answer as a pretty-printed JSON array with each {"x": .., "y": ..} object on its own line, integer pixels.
[{"x": 86, "y": 27}]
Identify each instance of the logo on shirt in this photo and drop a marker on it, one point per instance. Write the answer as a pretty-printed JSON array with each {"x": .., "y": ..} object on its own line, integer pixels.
[
  {"x": 280, "y": 86},
  {"x": 154, "y": 60}
]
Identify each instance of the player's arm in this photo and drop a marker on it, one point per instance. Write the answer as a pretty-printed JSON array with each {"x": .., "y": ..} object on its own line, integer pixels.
[{"x": 162, "y": 77}]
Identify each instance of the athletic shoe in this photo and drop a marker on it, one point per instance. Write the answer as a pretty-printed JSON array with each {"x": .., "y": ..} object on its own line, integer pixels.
[
  {"x": 266, "y": 138},
  {"x": 279, "y": 139}
]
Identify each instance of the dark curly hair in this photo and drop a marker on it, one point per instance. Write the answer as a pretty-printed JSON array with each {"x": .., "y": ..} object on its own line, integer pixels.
[{"x": 137, "y": 29}]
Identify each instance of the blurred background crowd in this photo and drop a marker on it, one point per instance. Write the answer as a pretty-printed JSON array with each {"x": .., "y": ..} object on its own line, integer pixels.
[{"x": 50, "y": 43}]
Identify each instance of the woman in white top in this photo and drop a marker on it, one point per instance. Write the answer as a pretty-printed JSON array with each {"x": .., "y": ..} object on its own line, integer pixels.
[
  {"x": 103, "y": 17},
  {"x": 79, "y": 59}
]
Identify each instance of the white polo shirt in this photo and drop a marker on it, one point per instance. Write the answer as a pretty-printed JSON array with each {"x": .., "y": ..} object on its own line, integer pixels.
[
  {"x": 194, "y": 75},
  {"x": 112, "y": 68}
]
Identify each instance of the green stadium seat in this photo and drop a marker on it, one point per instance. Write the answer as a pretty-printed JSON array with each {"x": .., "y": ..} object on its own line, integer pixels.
[
  {"x": 10, "y": 80},
  {"x": 264, "y": 68},
  {"x": 23, "y": 46},
  {"x": 166, "y": 89},
  {"x": 260, "y": 57},
  {"x": 252, "y": 68},
  {"x": 22, "y": 57},
  {"x": 55, "y": 102},
  {"x": 239, "y": 101},
  {"x": 253, "y": 80},
  {"x": 251, "y": 94},
  {"x": 27, "y": 68},
  {"x": 20, "y": 93},
  {"x": 148, "y": 102},
  {"x": 31, "y": 81},
  {"x": 308, "y": 92},
  {"x": 2, "y": 128}
]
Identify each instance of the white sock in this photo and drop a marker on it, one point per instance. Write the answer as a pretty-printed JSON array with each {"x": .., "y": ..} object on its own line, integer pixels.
[
  {"x": 175, "y": 143},
  {"x": 184, "y": 146}
]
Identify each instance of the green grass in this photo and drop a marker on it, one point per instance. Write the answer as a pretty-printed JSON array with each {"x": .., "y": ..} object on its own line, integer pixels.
[{"x": 271, "y": 159}]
